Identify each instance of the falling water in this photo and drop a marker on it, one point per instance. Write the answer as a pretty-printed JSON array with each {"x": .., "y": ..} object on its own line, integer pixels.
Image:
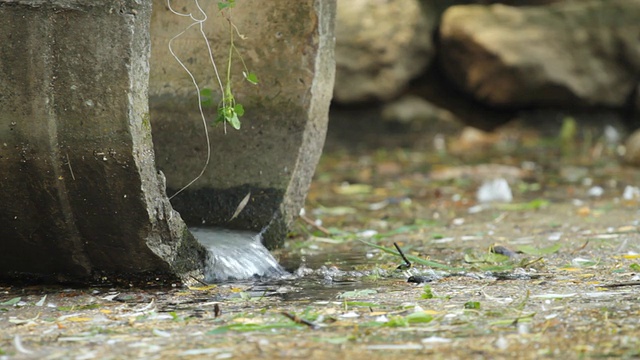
[{"x": 236, "y": 255}]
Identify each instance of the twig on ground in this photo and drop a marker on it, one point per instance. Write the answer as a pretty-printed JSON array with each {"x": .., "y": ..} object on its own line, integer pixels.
[
  {"x": 407, "y": 263},
  {"x": 298, "y": 320},
  {"x": 200, "y": 281},
  {"x": 312, "y": 223},
  {"x": 581, "y": 247},
  {"x": 615, "y": 285},
  {"x": 531, "y": 262}
]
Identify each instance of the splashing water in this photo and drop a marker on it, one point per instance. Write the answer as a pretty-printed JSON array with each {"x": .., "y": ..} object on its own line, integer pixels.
[{"x": 236, "y": 255}]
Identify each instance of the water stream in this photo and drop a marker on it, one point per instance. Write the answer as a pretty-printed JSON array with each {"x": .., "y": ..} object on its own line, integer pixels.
[
  {"x": 236, "y": 255},
  {"x": 239, "y": 258}
]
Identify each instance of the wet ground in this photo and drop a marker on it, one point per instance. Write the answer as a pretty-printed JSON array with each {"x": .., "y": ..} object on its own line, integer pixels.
[{"x": 553, "y": 273}]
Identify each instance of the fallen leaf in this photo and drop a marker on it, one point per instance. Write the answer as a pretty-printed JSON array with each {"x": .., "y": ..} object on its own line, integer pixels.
[
  {"x": 11, "y": 302},
  {"x": 352, "y": 189},
  {"x": 78, "y": 319},
  {"x": 243, "y": 203},
  {"x": 531, "y": 250}
]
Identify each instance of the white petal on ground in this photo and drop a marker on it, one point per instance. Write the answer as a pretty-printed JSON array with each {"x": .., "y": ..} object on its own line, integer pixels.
[{"x": 495, "y": 190}]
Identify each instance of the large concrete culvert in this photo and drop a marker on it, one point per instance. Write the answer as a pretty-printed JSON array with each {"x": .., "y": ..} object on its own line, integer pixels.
[{"x": 82, "y": 199}]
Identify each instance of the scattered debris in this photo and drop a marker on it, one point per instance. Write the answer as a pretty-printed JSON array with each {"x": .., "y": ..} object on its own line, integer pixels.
[
  {"x": 17, "y": 342},
  {"x": 243, "y": 203},
  {"x": 299, "y": 320},
  {"x": 495, "y": 191},
  {"x": 407, "y": 263},
  {"x": 615, "y": 285},
  {"x": 419, "y": 279},
  {"x": 498, "y": 249}
]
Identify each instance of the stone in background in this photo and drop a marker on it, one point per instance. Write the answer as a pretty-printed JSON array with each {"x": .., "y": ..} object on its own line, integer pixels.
[
  {"x": 380, "y": 46},
  {"x": 583, "y": 54},
  {"x": 496, "y": 60}
]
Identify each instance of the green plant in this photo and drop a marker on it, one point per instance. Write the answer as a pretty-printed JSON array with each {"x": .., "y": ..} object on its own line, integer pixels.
[{"x": 229, "y": 110}]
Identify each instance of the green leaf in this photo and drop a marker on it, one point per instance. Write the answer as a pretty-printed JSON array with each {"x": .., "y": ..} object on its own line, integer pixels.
[
  {"x": 226, "y": 4},
  {"x": 419, "y": 317},
  {"x": 357, "y": 293},
  {"x": 427, "y": 293},
  {"x": 475, "y": 305},
  {"x": 206, "y": 98},
  {"x": 11, "y": 302},
  {"x": 251, "y": 77},
  {"x": 253, "y": 327},
  {"x": 488, "y": 258},
  {"x": 223, "y": 114},
  {"x": 493, "y": 268},
  {"x": 569, "y": 130},
  {"x": 530, "y": 250},
  {"x": 523, "y": 303},
  {"x": 531, "y": 205},
  {"x": 581, "y": 262},
  {"x": 220, "y": 118},
  {"x": 635, "y": 267},
  {"x": 397, "y": 321},
  {"x": 234, "y": 121},
  {"x": 361, "y": 303},
  {"x": 239, "y": 109}
]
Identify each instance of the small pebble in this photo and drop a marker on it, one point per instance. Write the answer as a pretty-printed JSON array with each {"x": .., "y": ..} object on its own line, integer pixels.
[
  {"x": 419, "y": 279},
  {"x": 503, "y": 251}
]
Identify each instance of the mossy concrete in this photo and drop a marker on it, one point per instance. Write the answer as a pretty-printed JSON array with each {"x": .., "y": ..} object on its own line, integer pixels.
[
  {"x": 289, "y": 45},
  {"x": 81, "y": 198}
]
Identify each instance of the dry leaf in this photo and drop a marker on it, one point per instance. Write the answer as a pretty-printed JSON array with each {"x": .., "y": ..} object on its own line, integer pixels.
[{"x": 241, "y": 206}]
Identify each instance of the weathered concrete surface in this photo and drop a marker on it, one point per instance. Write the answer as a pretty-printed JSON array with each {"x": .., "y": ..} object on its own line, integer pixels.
[
  {"x": 289, "y": 44},
  {"x": 81, "y": 200}
]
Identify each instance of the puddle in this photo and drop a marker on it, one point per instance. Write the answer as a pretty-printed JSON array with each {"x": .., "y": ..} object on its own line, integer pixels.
[{"x": 349, "y": 259}]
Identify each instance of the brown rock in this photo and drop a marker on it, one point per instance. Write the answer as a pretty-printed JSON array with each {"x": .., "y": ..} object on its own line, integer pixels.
[
  {"x": 582, "y": 53},
  {"x": 632, "y": 145},
  {"x": 380, "y": 46}
]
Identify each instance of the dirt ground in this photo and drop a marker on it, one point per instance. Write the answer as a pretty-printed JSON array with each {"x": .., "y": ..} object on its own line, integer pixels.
[{"x": 554, "y": 273}]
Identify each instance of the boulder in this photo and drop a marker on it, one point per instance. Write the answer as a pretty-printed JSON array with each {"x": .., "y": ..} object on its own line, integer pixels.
[
  {"x": 380, "y": 47},
  {"x": 419, "y": 113},
  {"x": 582, "y": 53},
  {"x": 632, "y": 149}
]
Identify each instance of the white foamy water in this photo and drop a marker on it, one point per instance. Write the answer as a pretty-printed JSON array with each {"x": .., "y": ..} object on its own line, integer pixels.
[{"x": 236, "y": 255}]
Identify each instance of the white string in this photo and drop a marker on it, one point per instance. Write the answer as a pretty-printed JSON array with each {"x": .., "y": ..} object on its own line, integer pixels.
[{"x": 193, "y": 79}]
